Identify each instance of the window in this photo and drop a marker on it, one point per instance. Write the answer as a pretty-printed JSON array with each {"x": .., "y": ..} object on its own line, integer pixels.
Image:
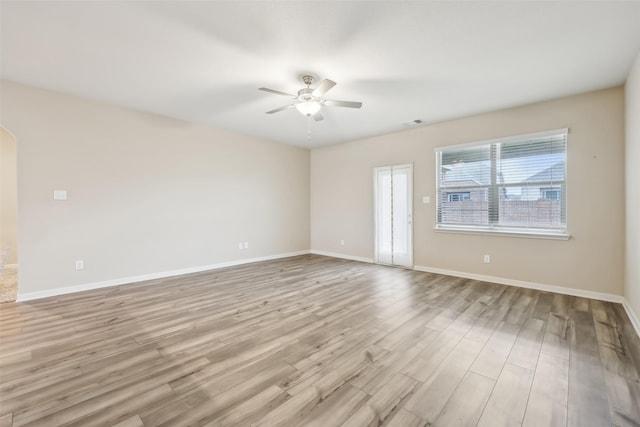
[
  {"x": 550, "y": 193},
  {"x": 508, "y": 185},
  {"x": 458, "y": 197}
]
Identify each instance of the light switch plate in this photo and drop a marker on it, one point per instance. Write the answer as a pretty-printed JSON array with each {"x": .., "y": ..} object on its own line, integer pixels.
[
  {"x": 59, "y": 194},
  {"x": 426, "y": 200}
]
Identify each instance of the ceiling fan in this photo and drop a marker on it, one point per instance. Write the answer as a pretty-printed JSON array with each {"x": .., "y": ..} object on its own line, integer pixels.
[{"x": 310, "y": 100}]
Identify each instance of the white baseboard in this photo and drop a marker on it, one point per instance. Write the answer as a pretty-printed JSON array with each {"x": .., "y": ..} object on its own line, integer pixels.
[
  {"x": 134, "y": 279},
  {"x": 343, "y": 256},
  {"x": 493, "y": 279},
  {"x": 632, "y": 316},
  {"x": 524, "y": 284}
]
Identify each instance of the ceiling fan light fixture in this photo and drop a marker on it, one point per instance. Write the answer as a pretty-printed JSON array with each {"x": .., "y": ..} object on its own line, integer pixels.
[{"x": 308, "y": 108}]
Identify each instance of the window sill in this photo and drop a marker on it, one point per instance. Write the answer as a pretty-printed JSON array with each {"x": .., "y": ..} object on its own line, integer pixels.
[{"x": 529, "y": 234}]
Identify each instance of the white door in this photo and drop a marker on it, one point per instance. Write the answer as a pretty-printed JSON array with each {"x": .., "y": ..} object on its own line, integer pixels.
[{"x": 393, "y": 194}]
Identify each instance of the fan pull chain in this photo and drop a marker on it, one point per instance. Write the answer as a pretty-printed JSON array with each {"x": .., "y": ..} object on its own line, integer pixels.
[{"x": 309, "y": 129}]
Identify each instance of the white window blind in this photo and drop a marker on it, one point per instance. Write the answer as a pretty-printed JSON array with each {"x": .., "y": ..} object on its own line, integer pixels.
[{"x": 515, "y": 184}]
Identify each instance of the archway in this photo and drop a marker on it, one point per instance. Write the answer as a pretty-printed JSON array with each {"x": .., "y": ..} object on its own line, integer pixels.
[{"x": 8, "y": 216}]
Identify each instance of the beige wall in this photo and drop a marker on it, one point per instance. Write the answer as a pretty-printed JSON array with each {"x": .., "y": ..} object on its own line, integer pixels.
[
  {"x": 146, "y": 194},
  {"x": 632, "y": 156},
  {"x": 592, "y": 260},
  {"x": 8, "y": 195}
]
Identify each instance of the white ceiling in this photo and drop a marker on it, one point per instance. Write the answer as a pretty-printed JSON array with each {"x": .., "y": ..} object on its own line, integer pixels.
[{"x": 203, "y": 61}]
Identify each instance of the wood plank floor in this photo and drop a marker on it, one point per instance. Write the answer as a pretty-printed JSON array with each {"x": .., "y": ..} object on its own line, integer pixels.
[{"x": 312, "y": 340}]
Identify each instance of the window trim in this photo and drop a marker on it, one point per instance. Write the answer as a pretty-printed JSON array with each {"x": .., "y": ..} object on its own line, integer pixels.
[
  {"x": 505, "y": 139},
  {"x": 492, "y": 230},
  {"x": 487, "y": 230}
]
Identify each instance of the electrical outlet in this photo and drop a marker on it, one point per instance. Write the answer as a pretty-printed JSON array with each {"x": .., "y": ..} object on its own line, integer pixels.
[
  {"x": 240, "y": 246},
  {"x": 487, "y": 259},
  {"x": 246, "y": 245},
  {"x": 341, "y": 242},
  {"x": 79, "y": 264}
]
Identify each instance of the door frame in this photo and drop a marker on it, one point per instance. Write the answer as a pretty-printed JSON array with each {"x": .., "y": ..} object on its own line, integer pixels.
[{"x": 409, "y": 210}]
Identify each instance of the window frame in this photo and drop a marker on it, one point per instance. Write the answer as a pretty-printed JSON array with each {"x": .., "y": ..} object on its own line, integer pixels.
[{"x": 560, "y": 233}]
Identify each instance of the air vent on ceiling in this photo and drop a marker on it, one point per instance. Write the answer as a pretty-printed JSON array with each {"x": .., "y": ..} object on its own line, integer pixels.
[{"x": 415, "y": 122}]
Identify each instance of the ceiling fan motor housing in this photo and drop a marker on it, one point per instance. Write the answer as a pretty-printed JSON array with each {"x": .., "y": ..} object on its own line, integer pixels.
[{"x": 306, "y": 94}]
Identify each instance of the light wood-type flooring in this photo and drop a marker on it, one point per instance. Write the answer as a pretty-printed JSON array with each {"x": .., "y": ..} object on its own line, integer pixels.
[{"x": 317, "y": 341}]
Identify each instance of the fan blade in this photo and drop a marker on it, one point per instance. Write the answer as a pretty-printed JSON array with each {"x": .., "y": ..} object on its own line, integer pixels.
[
  {"x": 317, "y": 116},
  {"x": 348, "y": 104},
  {"x": 281, "y": 109},
  {"x": 324, "y": 87},
  {"x": 277, "y": 92}
]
